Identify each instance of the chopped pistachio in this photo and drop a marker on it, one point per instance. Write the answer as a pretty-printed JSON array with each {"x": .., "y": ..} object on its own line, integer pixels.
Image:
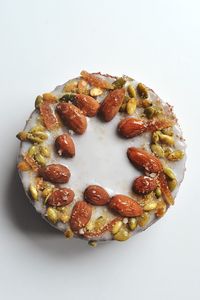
[
  {"x": 47, "y": 192},
  {"x": 33, "y": 191},
  {"x": 40, "y": 159},
  {"x": 39, "y": 100},
  {"x": 116, "y": 227},
  {"x": 67, "y": 97},
  {"x": 131, "y": 106},
  {"x": 70, "y": 86},
  {"x": 155, "y": 137},
  {"x": 92, "y": 244},
  {"x": 40, "y": 134},
  {"x": 22, "y": 135},
  {"x": 172, "y": 184},
  {"x": 99, "y": 223},
  {"x": 69, "y": 234},
  {"x": 175, "y": 155},
  {"x": 34, "y": 139},
  {"x": 142, "y": 90},
  {"x": 166, "y": 139},
  {"x": 37, "y": 128},
  {"x": 64, "y": 218},
  {"x": 152, "y": 111},
  {"x": 132, "y": 223},
  {"x": 150, "y": 205},
  {"x": 168, "y": 171},
  {"x": 94, "y": 92},
  {"x": 131, "y": 91},
  {"x": 157, "y": 150},
  {"x": 158, "y": 192},
  {"x": 45, "y": 151},
  {"x": 52, "y": 214},
  {"x": 119, "y": 83},
  {"x": 168, "y": 131},
  {"x": 122, "y": 235}
]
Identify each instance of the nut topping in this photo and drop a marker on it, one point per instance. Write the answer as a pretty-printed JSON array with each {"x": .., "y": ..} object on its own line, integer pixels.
[
  {"x": 96, "y": 195},
  {"x": 55, "y": 173},
  {"x": 65, "y": 145}
]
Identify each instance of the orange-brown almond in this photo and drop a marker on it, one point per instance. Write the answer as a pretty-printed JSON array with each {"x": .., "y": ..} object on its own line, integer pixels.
[
  {"x": 55, "y": 173},
  {"x": 72, "y": 117},
  {"x": 64, "y": 145},
  {"x": 125, "y": 206},
  {"x": 88, "y": 105},
  {"x": 130, "y": 127},
  {"x": 111, "y": 104},
  {"x": 144, "y": 185},
  {"x": 81, "y": 214},
  {"x": 96, "y": 195},
  {"x": 61, "y": 197},
  {"x": 144, "y": 160}
]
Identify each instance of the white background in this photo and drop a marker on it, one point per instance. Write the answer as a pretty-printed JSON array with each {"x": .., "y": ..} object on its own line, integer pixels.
[{"x": 42, "y": 44}]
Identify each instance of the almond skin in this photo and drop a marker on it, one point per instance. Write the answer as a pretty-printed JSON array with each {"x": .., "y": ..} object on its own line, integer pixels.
[
  {"x": 88, "y": 105},
  {"x": 81, "y": 214},
  {"x": 144, "y": 160},
  {"x": 130, "y": 127},
  {"x": 65, "y": 145},
  {"x": 111, "y": 104},
  {"x": 125, "y": 206},
  {"x": 61, "y": 197},
  {"x": 72, "y": 117},
  {"x": 144, "y": 185},
  {"x": 55, "y": 173},
  {"x": 96, "y": 195}
]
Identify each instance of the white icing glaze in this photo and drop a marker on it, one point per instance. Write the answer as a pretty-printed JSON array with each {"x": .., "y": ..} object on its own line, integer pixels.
[{"x": 100, "y": 159}]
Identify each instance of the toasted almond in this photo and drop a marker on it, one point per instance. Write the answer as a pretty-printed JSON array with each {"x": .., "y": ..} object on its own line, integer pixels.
[
  {"x": 96, "y": 195},
  {"x": 55, "y": 173},
  {"x": 73, "y": 117},
  {"x": 64, "y": 145},
  {"x": 87, "y": 104},
  {"x": 125, "y": 206},
  {"x": 61, "y": 197},
  {"x": 144, "y": 160},
  {"x": 81, "y": 214},
  {"x": 144, "y": 184},
  {"x": 111, "y": 104}
]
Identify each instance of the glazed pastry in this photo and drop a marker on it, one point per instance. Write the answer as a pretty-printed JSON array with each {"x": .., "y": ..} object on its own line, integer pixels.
[{"x": 101, "y": 157}]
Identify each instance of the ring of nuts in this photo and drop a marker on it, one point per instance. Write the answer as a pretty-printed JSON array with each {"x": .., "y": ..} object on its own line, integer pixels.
[{"x": 152, "y": 191}]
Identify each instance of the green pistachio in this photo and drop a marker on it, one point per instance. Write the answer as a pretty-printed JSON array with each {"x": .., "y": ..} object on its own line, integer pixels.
[
  {"x": 119, "y": 83},
  {"x": 142, "y": 90}
]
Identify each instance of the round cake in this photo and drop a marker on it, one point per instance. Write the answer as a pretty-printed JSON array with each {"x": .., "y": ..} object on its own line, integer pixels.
[{"x": 101, "y": 157}]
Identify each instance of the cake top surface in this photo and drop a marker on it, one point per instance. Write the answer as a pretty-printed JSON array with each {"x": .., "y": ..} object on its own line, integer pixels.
[{"x": 122, "y": 147}]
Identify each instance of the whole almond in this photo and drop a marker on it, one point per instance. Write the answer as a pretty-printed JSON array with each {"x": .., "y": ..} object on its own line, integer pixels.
[
  {"x": 111, "y": 104},
  {"x": 125, "y": 206},
  {"x": 144, "y": 185},
  {"x": 61, "y": 197},
  {"x": 81, "y": 214},
  {"x": 144, "y": 160},
  {"x": 64, "y": 145},
  {"x": 72, "y": 117},
  {"x": 55, "y": 173},
  {"x": 130, "y": 127},
  {"x": 88, "y": 105},
  {"x": 96, "y": 195}
]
